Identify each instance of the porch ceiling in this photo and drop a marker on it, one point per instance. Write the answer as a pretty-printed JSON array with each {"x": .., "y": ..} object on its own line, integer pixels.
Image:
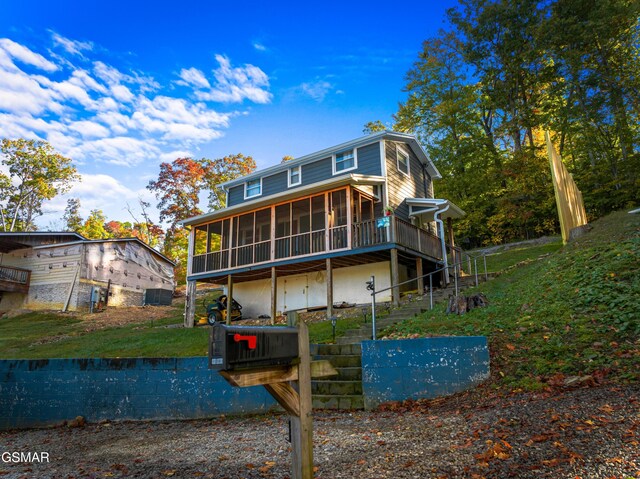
[{"x": 8, "y": 245}]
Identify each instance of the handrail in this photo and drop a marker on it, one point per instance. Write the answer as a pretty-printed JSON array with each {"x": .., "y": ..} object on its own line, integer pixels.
[{"x": 455, "y": 266}]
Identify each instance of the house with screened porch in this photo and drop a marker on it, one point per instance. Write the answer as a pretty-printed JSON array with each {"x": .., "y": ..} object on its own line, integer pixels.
[{"x": 308, "y": 233}]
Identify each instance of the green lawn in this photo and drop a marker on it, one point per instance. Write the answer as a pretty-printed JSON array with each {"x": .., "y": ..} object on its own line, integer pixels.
[
  {"x": 506, "y": 259},
  {"x": 573, "y": 312}
]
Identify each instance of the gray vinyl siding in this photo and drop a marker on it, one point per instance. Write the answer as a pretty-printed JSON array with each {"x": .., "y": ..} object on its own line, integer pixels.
[
  {"x": 369, "y": 160},
  {"x": 236, "y": 195},
  {"x": 320, "y": 170},
  {"x": 275, "y": 183},
  {"x": 401, "y": 186},
  {"x": 316, "y": 171}
]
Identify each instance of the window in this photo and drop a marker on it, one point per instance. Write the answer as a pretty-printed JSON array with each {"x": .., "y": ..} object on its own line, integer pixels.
[
  {"x": 295, "y": 178},
  {"x": 253, "y": 188},
  {"x": 403, "y": 162},
  {"x": 344, "y": 161}
]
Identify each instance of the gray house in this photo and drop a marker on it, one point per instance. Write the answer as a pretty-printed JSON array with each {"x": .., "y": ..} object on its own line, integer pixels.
[
  {"x": 66, "y": 271},
  {"x": 309, "y": 232}
]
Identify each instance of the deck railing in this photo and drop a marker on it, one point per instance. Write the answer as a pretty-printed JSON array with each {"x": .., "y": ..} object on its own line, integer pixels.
[
  {"x": 361, "y": 235},
  {"x": 14, "y": 279}
]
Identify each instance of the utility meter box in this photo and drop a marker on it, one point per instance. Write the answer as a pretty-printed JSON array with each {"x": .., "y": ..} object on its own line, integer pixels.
[
  {"x": 95, "y": 294},
  {"x": 234, "y": 348}
]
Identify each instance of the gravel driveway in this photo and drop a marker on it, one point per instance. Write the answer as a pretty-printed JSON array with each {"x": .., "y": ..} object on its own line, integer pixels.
[{"x": 583, "y": 433}]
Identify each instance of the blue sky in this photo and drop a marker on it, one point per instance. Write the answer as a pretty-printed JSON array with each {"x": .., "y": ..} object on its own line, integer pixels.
[{"x": 120, "y": 87}]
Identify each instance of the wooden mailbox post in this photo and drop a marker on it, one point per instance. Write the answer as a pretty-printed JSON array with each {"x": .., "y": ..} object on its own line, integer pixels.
[{"x": 274, "y": 357}]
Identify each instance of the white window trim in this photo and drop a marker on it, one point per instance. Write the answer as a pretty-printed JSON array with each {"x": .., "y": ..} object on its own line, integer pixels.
[
  {"x": 401, "y": 151},
  {"x": 355, "y": 161},
  {"x": 245, "y": 189},
  {"x": 299, "y": 182}
]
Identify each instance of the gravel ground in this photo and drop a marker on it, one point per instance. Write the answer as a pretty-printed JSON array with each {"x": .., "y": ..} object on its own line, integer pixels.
[{"x": 583, "y": 433}]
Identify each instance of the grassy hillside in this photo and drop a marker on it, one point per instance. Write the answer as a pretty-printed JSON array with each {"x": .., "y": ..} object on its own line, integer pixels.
[{"x": 572, "y": 312}]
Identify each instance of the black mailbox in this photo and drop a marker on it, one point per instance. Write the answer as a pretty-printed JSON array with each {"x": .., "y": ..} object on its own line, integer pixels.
[{"x": 246, "y": 347}]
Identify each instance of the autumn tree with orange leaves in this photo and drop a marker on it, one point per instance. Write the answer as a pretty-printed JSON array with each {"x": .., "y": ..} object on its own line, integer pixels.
[{"x": 178, "y": 190}]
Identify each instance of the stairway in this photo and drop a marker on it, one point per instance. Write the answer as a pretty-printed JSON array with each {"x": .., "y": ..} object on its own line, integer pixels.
[{"x": 345, "y": 390}]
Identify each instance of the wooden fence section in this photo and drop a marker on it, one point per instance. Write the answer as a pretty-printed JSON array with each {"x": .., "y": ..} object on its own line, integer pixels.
[{"x": 571, "y": 212}]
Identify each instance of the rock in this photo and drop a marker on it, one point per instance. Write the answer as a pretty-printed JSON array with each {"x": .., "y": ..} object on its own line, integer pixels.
[
  {"x": 572, "y": 381},
  {"x": 79, "y": 421}
]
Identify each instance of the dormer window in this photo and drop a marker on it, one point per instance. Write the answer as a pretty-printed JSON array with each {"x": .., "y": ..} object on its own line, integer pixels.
[
  {"x": 403, "y": 162},
  {"x": 252, "y": 188},
  {"x": 295, "y": 176},
  {"x": 344, "y": 161}
]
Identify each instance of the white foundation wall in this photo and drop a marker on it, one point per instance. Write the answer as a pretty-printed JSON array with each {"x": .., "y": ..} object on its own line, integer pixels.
[{"x": 309, "y": 290}]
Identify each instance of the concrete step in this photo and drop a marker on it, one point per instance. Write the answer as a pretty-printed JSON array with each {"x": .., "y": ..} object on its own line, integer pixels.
[
  {"x": 343, "y": 360},
  {"x": 336, "y": 388},
  {"x": 338, "y": 402},
  {"x": 349, "y": 374}
]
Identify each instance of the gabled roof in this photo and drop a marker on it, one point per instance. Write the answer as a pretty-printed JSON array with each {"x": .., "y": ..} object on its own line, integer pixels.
[
  {"x": 44, "y": 239},
  {"x": 11, "y": 241},
  {"x": 319, "y": 155}
]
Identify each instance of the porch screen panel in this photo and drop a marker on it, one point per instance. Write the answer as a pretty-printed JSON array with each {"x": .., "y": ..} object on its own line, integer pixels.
[
  {"x": 225, "y": 249},
  {"x": 200, "y": 249},
  {"x": 283, "y": 230},
  {"x": 318, "y": 224},
  {"x": 214, "y": 247},
  {"x": 262, "y": 249},
  {"x": 338, "y": 236},
  {"x": 244, "y": 250},
  {"x": 301, "y": 227},
  {"x": 365, "y": 232}
]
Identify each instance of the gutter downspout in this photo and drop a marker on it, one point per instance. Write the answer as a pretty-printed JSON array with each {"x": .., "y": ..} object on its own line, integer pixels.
[{"x": 442, "y": 241}]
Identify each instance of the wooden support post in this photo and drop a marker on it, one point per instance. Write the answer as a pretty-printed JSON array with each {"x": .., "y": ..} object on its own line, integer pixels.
[
  {"x": 229, "y": 298},
  {"x": 329, "y": 289},
  {"x": 419, "y": 273},
  {"x": 190, "y": 305},
  {"x": 302, "y": 425},
  {"x": 395, "y": 277},
  {"x": 274, "y": 295}
]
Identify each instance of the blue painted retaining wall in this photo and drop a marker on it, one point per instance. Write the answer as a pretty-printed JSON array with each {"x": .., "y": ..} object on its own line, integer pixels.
[
  {"x": 422, "y": 368},
  {"x": 44, "y": 392}
]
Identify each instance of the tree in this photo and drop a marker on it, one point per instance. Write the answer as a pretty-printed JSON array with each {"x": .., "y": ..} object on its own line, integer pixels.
[
  {"x": 72, "y": 219},
  {"x": 146, "y": 230},
  {"x": 94, "y": 226},
  {"x": 36, "y": 174},
  {"x": 286, "y": 158},
  {"x": 374, "y": 127},
  {"x": 224, "y": 169},
  {"x": 178, "y": 190}
]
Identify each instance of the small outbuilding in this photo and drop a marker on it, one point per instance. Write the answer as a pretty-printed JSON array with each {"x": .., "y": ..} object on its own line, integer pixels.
[{"x": 66, "y": 271}]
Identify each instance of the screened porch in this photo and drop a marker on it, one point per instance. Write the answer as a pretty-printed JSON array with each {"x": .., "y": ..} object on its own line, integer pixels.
[{"x": 344, "y": 219}]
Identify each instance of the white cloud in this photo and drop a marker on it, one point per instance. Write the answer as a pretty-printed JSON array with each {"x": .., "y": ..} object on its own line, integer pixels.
[
  {"x": 122, "y": 93},
  {"x": 74, "y": 47},
  {"x": 89, "y": 129},
  {"x": 193, "y": 77},
  {"x": 24, "y": 55},
  {"x": 259, "y": 46},
  {"x": 317, "y": 90},
  {"x": 120, "y": 150},
  {"x": 235, "y": 84}
]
